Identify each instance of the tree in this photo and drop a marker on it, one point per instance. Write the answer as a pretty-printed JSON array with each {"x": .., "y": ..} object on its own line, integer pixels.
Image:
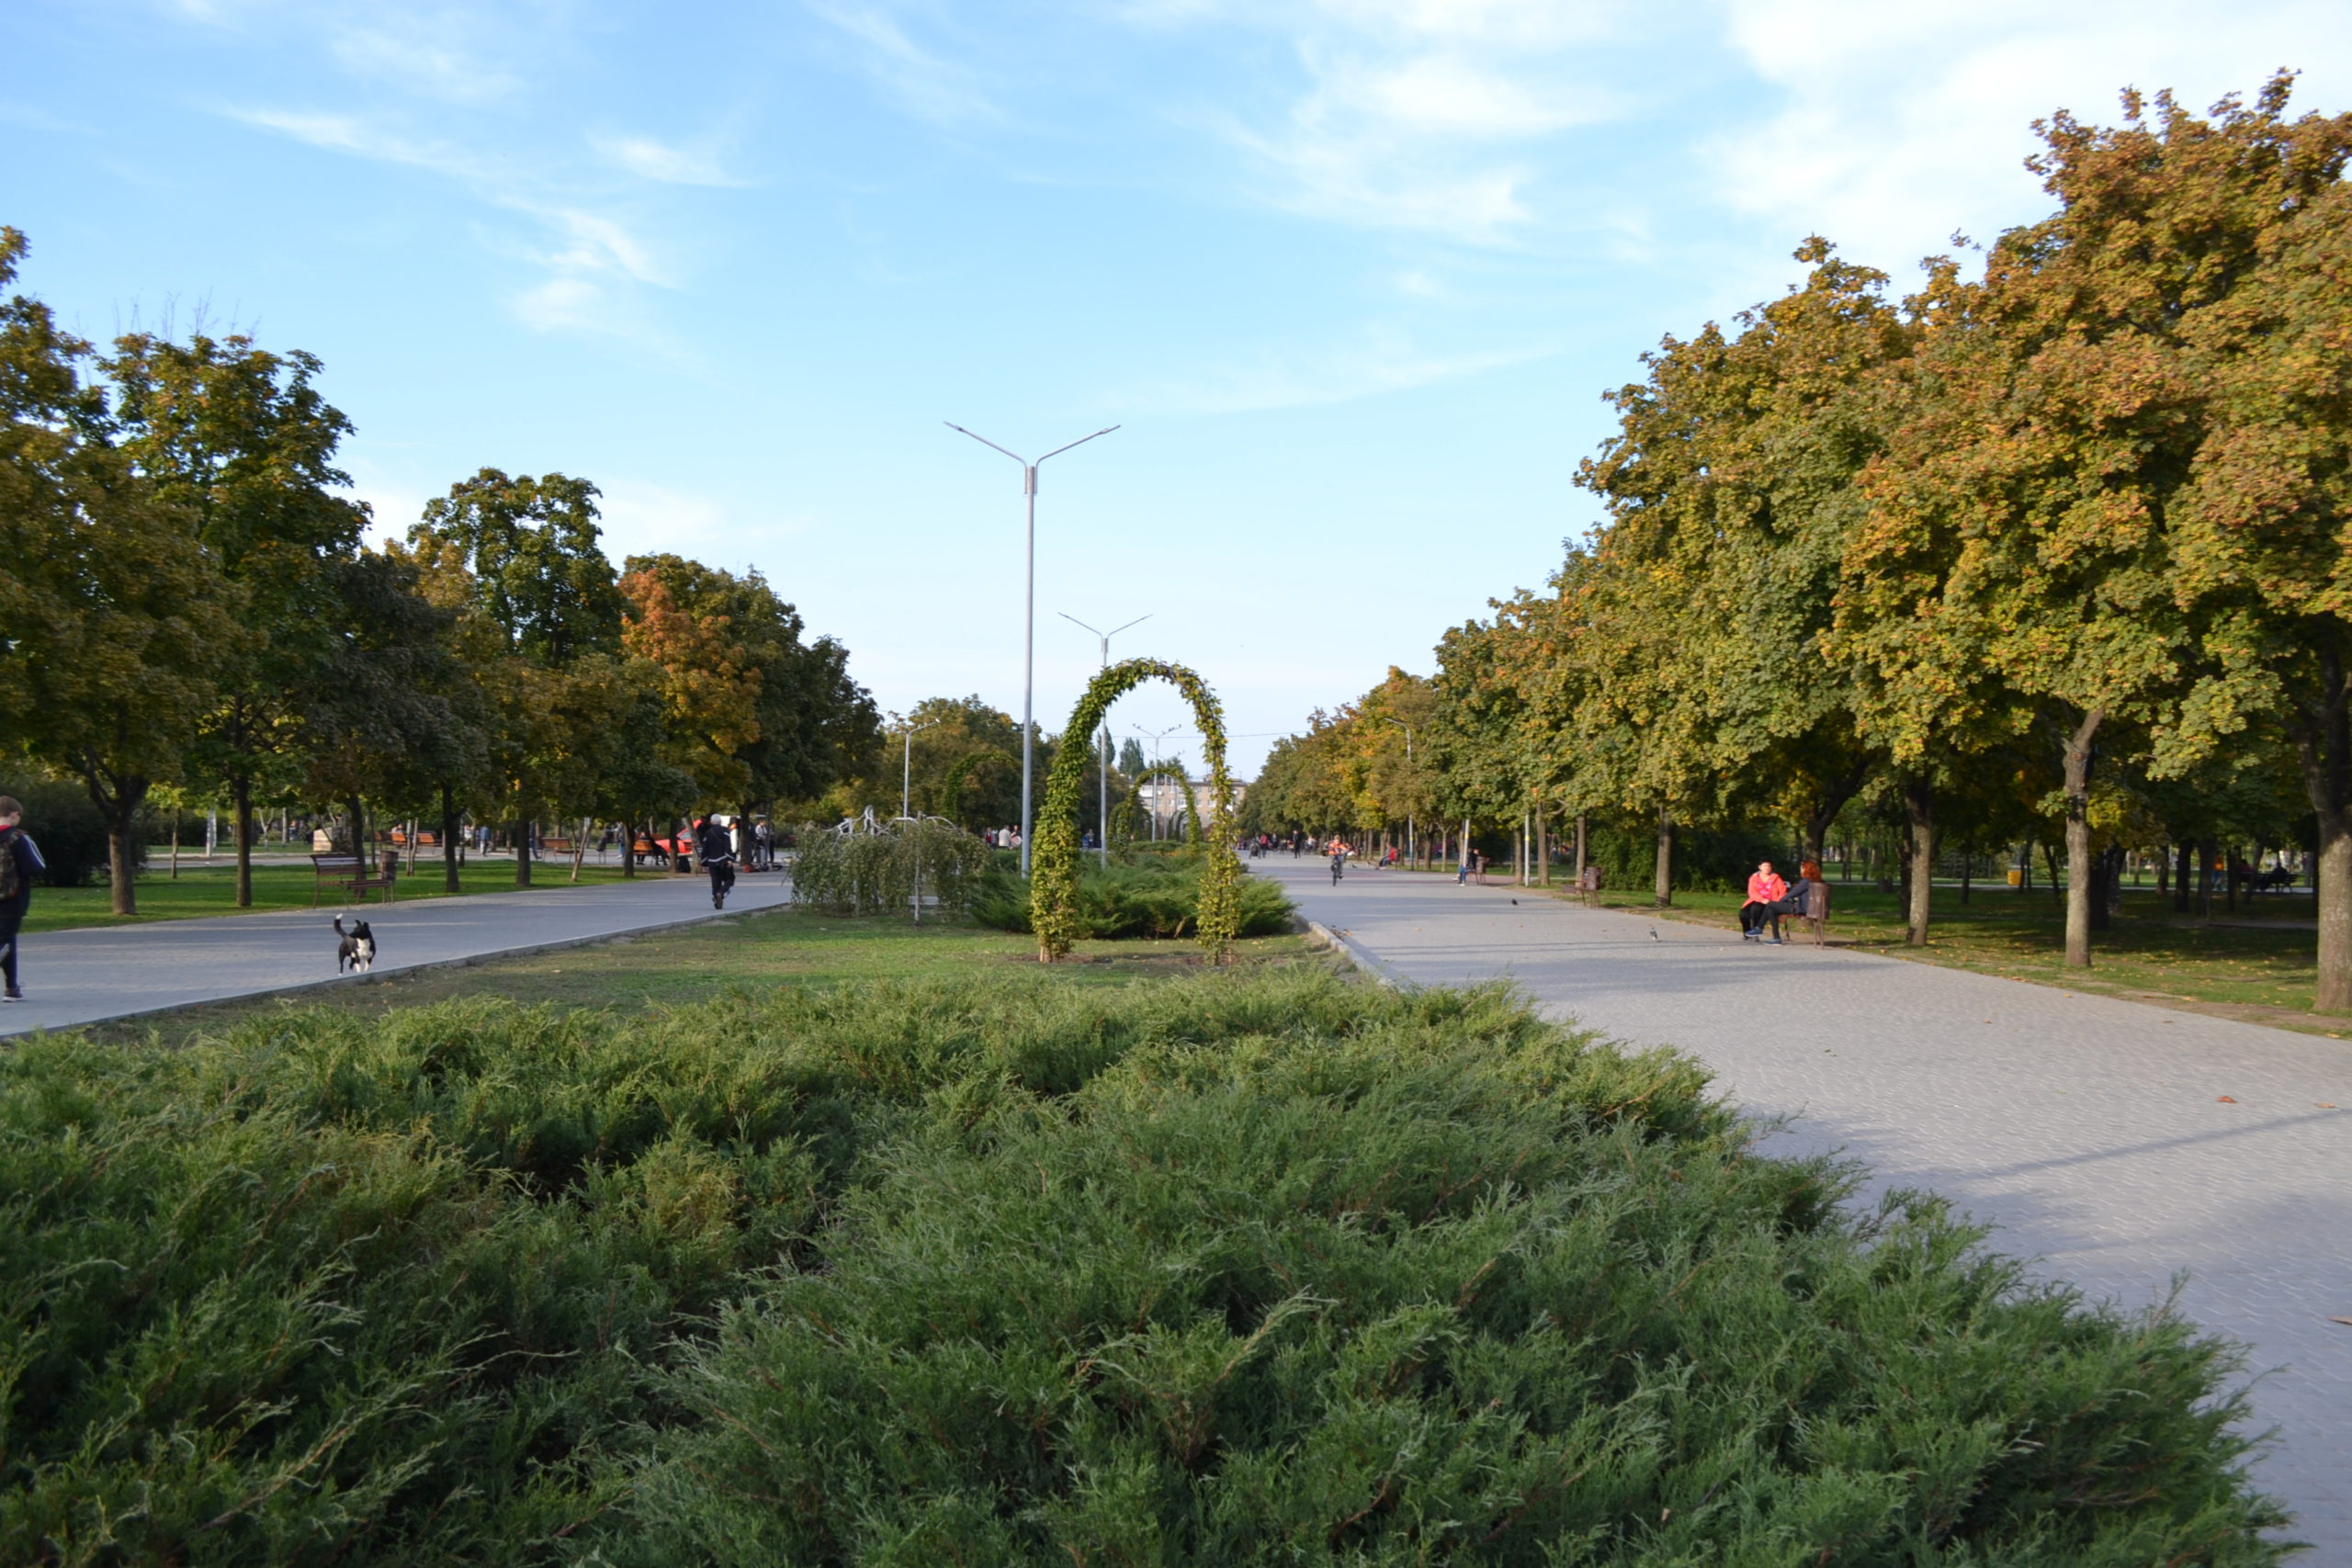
[
  {"x": 2264, "y": 558},
  {"x": 241, "y": 440},
  {"x": 535, "y": 573},
  {"x": 2054, "y": 417},
  {"x": 794, "y": 721},
  {"x": 114, "y": 625}
]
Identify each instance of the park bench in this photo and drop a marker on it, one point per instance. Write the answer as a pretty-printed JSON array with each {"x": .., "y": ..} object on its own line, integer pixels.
[
  {"x": 350, "y": 873},
  {"x": 555, "y": 846}
]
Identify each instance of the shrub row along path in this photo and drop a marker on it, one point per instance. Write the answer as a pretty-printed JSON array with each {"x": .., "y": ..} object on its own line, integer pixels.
[
  {"x": 94, "y": 975},
  {"x": 2118, "y": 1144}
]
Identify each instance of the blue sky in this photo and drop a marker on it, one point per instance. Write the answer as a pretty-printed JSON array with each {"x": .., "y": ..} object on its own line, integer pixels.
[{"x": 1351, "y": 273}]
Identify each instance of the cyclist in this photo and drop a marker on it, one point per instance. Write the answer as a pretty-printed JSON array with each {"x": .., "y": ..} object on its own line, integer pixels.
[{"x": 716, "y": 847}]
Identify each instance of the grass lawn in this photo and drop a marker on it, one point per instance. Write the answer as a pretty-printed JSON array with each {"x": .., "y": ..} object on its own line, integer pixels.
[
  {"x": 201, "y": 890},
  {"x": 2259, "y": 964},
  {"x": 743, "y": 954}
]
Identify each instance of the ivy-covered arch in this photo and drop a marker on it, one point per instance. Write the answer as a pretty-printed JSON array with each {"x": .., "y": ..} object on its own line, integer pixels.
[
  {"x": 1053, "y": 887},
  {"x": 1192, "y": 812},
  {"x": 951, "y": 796}
]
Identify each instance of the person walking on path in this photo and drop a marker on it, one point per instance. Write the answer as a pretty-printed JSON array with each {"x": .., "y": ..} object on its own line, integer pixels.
[
  {"x": 1764, "y": 889},
  {"x": 20, "y": 861},
  {"x": 716, "y": 847}
]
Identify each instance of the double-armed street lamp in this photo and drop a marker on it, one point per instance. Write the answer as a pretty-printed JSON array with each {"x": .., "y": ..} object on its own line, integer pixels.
[
  {"x": 1029, "y": 619},
  {"x": 1412, "y": 839},
  {"x": 1103, "y": 777}
]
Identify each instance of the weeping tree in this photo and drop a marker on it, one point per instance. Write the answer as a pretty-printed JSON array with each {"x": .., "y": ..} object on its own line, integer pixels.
[
  {"x": 1053, "y": 890},
  {"x": 951, "y": 796}
]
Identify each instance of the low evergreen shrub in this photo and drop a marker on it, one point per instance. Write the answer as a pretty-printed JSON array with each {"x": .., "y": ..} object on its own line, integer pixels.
[
  {"x": 1234, "y": 1267},
  {"x": 1148, "y": 896}
]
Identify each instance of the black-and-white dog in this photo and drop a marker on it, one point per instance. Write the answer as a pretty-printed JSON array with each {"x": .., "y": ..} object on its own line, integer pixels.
[{"x": 357, "y": 951}]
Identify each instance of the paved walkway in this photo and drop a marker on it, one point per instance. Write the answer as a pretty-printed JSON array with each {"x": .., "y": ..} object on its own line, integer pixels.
[
  {"x": 87, "y": 977},
  {"x": 2095, "y": 1133}
]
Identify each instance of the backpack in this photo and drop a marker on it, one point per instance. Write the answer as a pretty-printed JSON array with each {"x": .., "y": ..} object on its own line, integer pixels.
[{"x": 11, "y": 875}]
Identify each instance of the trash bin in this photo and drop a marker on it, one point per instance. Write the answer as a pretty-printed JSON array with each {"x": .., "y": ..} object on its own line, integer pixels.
[{"x": 2017, "y": 877}]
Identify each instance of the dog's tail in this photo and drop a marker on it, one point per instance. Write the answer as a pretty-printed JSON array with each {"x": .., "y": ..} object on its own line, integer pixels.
[{"x": 338, "y": 925}]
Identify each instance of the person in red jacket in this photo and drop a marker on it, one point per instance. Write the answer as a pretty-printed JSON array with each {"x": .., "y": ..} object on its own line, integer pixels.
[{"x": 1764, "y": 889}]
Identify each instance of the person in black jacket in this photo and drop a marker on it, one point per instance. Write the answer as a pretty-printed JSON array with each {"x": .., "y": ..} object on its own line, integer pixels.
[
  {"x": 20, "y": 861},
  {"x": 715, "y": 845}
]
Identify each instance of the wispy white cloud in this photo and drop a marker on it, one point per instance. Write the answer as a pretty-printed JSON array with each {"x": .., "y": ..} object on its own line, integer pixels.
[
  {"x": 923, "y": 81},
  {"x": 582, "y": 252},
  {"x": 664, "y": 162},
  {"x": 1429, "y": 116},
  {"x": 422, "y": 53},
  {"x": 1383, "y": 361},
  {"x": 1893, "y": 126}
]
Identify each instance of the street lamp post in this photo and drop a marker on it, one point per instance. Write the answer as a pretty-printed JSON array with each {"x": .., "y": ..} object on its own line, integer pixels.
[
  {"x": 1157, "y": 740},
  {"x": 906, "y": 764},
  {"x": 1412, "y": 839},
  {"x": 1103, "y": 776},
  {"x": 1029, "y": 621}
]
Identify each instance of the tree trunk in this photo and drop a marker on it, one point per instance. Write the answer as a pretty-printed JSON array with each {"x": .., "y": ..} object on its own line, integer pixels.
[
  {"x": 449, "y": 829},
  {"x": 522, "y": 852},
  {"x": 2205, "y": 852},
  {"x": 2335, "y": 901},
  {"x": 2080, "y": 874},
  {"x": 1542, "y": 848},
  {"x": 1824, "y": 810},
  {"x": 2321, "y": 727},
  {"x": 1665, "y": 885},
  {"x": 2105, "y": 872},
  {"x": 119, "y": 806},
  {"x": 241, "y": 796},
  {"x": 1919, "y": 806},
  {"x": 1580, "y": 849},
  {"x": 579, "y": 849},
  {"x": 121, "y": 867},
  {"x": 359, "y": 845},
  {"x": 2184, "y": 887}
]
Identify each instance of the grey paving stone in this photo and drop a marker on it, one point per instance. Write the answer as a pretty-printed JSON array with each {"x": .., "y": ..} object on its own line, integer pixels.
[{"x": 2090, "y": 1131}]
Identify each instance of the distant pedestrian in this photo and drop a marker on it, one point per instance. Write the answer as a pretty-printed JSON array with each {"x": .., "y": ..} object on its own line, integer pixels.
[{"x": 20, "y": 861}]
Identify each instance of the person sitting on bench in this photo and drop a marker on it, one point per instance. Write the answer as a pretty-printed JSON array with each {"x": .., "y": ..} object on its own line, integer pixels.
[{"x": 1765, "y": 891}]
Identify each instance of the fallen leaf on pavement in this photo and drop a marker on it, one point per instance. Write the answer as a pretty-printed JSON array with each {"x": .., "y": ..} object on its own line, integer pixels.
[
  {"x": 2226, "y": 1099},
  {"x": 2347, "y": 1321}
]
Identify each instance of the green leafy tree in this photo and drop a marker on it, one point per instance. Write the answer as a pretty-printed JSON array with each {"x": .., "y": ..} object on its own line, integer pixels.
[
  {"x": 2052, "y": 421},
  {"x": 535, "y": 573},
  {"x": 114, "y": 625},
  {"x": 2262, "y": 560},
  {"x": 241, "y": 439}
]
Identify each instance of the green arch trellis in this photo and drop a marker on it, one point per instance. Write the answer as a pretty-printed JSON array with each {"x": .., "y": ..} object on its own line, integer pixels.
[
  {"x": 951, "y": 796},
  {"x": 1192, "y": 812},
  {"x": 1053, "y": 888}
]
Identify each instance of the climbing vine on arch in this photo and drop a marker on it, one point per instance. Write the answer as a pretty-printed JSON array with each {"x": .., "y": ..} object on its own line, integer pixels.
[
  {"x": 1192, "y": 812},
  {"x": 1053, "y": 888}
]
